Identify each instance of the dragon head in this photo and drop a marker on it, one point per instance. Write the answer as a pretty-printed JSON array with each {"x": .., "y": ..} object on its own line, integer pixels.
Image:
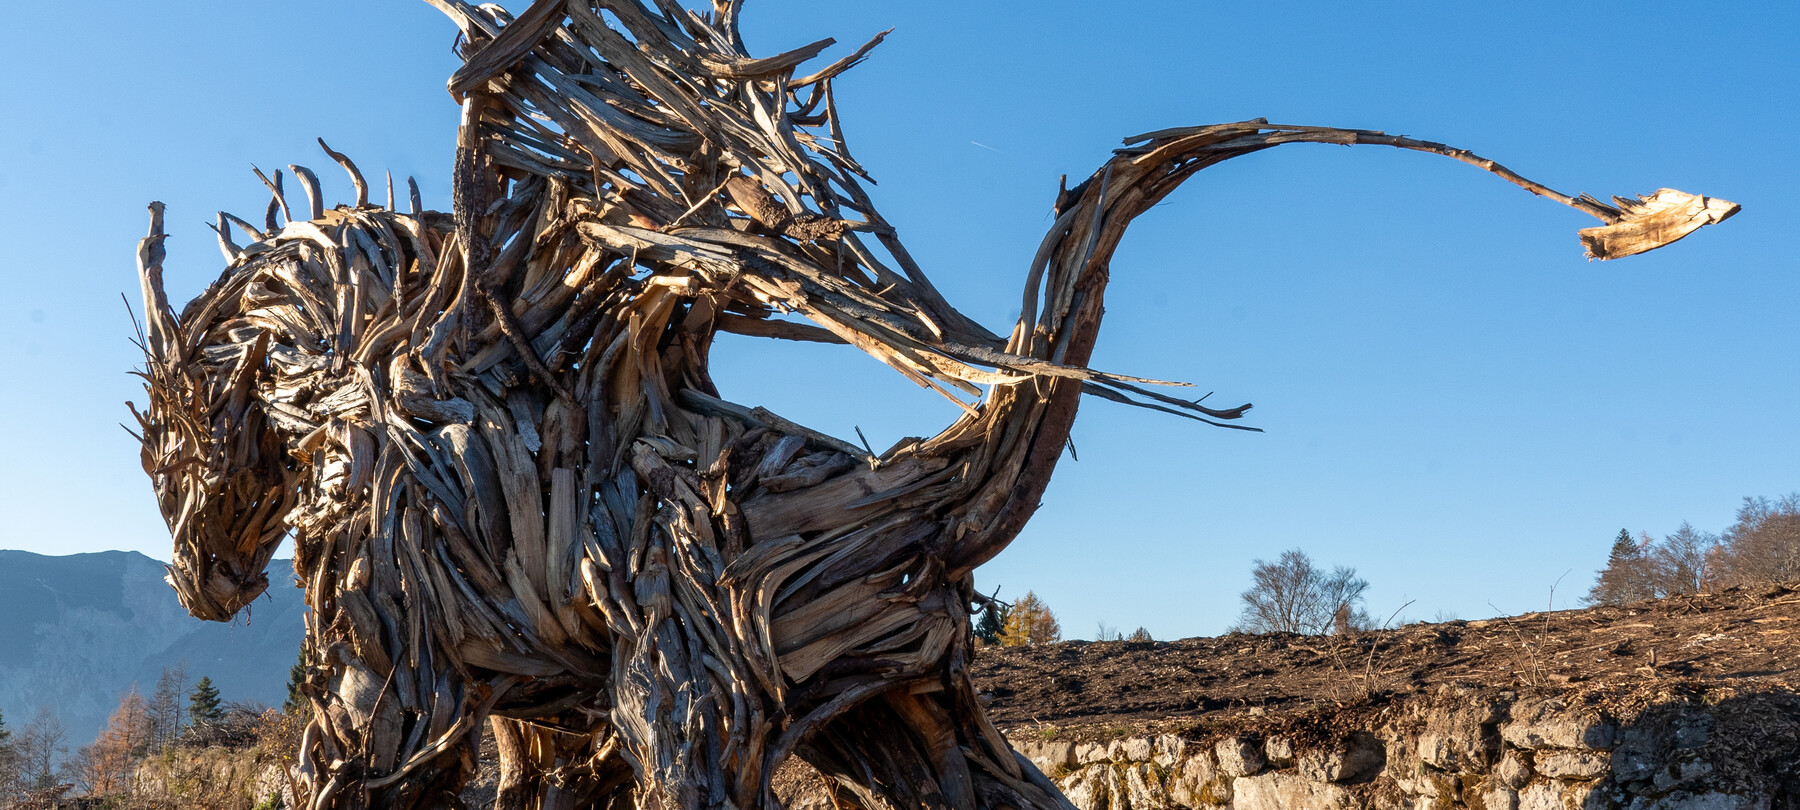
[{"x": 222, "y": 476}]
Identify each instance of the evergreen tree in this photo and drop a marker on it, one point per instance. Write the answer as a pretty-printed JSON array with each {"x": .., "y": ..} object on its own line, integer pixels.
[
  {"x": 993, "y": 620},
  {"x": 297, "y": 704},
  {"x": 9, "y": 763},
  {"x": 1627, "y": 575},
  {"x": 203, "y": 703},
  {"x": 1140, "y": 634}
]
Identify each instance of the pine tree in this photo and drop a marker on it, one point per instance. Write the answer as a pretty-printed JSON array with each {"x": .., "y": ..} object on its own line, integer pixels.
[
  {"x": 993, "y": 621},
  {"x": 203, "y": 703},
  {"x": 1627, "y": 575},
  {"x": 1140, "y": 634},
  {"x": 297, "y": 705},
  {"x": 9, "y": 763},
  {"x": 1030, "y": 622}
]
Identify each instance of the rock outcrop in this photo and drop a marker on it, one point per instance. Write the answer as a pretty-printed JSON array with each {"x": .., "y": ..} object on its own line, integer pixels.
[
  {"x": 1462, "y": 747},
  {"x": 1686, "y": 702}
]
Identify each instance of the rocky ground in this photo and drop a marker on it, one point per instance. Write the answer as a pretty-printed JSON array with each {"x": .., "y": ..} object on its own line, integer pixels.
[
  {"x": 1624, "y": 658},
  {"x": 1687, "y": 702}
]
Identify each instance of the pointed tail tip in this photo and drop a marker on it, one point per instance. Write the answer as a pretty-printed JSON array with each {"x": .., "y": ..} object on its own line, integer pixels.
[{"x": 1647, "y": 223}]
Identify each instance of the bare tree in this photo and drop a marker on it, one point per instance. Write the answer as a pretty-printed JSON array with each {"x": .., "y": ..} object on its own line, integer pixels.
[
  {"x": 1688, "y": 561},
  {"x": 1685, "y": 562},
  {"x": 167, "y": 714},
  {"x": 41, "y": 749},
  {"x": 1763, "y": 545},
  {"x": 1291, "y": 595}
]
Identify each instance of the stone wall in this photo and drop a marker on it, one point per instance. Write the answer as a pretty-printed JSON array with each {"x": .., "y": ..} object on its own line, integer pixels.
[
  {"x": 214, "y": 778},
  {"x": 1460, "y": 748}
]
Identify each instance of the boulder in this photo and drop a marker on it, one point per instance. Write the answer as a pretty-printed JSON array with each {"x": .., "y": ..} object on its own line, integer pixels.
[
  {"x": 1572, "y": 764},
  {"x": 1087, "y": 788},
  {"x": 1130, "y": 749},
  {"x": 1640, "y": 750},
  {"x": 1239, "y": 756},
  {"x": 1196, "y": 782},
  {"x": 1541, "y": 795},
  {"x": 1049, "y": 756},
  {"x": 1460, "y": 737},
  {"x": 1169, "y": 749},
  {"x": 1280, "y": 790},
  {"x": 1357, "y": 759},
  {"x": 1498, "y": 796},
  {"x": 1143, "y": 785},
  {"x": 1552, "y": 723},
  {"x": 1513, "y": 771},
  {"x": 1680, "y": 800},
  {"x": 1681, "y": 772},
  {"x": 1118, "y": 790},
  {"x": 1279, "y": 751}
]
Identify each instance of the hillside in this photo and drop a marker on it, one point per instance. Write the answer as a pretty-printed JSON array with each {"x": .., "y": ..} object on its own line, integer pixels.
[
  {"x": 1687, "y": 703},
  {"x": 77, "y": 631},
  {"x": 1739, "y": 639}
]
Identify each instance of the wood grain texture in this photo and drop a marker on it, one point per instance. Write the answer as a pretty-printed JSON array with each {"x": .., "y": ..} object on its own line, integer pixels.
[{"x": 516, "y": 495}]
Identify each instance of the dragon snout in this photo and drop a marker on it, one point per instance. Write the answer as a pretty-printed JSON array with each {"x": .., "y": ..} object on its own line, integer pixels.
[
  {"x": 212, "y": 590},
  {"x": 224, "y": 534}
]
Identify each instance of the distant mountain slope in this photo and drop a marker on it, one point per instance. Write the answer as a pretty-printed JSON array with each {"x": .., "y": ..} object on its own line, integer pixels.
[{"x": 76, "y": 632}]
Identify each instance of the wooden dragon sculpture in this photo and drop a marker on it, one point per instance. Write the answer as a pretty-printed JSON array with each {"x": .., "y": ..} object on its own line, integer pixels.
[{"x": 515, "y": 493}]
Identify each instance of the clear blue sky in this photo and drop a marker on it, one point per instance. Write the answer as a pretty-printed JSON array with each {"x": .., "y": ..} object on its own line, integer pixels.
[{"x": 1457, "y": 404}]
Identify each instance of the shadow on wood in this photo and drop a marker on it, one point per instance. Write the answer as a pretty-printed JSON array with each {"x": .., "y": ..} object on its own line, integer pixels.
[{"x": 516, "y": 494}]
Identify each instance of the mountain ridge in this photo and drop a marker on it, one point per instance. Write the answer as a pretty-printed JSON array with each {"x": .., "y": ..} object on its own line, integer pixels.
[{"x": 78, "y": 631}]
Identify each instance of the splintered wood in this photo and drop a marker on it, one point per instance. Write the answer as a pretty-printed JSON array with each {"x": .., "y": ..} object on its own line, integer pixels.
[{"x": 515, "y": 493}]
